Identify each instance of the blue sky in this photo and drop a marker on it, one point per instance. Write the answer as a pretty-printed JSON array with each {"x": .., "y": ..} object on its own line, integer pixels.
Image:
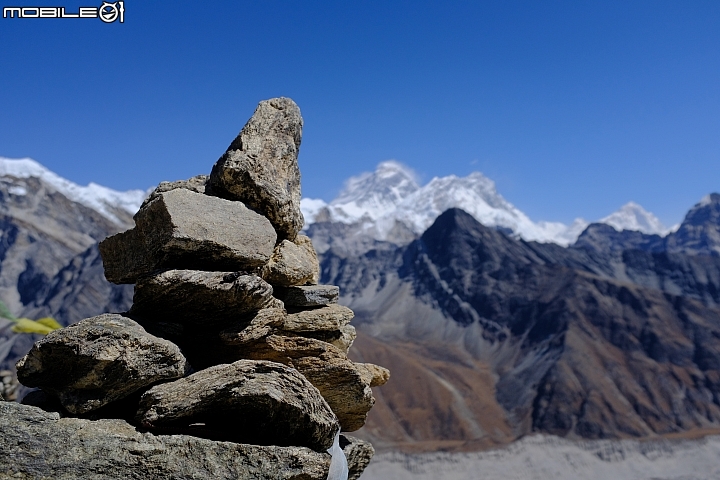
[{"x": 573, "y": 108}]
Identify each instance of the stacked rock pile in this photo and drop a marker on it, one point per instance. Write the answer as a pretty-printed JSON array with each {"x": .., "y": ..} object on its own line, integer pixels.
[{"x": 229, "y": 337}]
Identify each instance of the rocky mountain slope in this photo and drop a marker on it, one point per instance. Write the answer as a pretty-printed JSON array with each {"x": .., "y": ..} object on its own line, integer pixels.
[{"x": 497, "y": 338}]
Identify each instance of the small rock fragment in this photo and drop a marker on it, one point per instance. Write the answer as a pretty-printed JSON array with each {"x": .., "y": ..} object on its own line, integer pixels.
[
  {"x": 195, "y": 184},
  {"x": 358, "y": 454},
  {"x": 293, "y": 263},
  {"x": 262, "y": 402},
  {"x": 99, "y": 360},
  {"x": 308, "y": 295},
  {"x": 372, "y": 374}
]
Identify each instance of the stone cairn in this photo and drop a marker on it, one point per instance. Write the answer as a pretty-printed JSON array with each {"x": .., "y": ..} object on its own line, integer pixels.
[{"x": 229, "y": 337}]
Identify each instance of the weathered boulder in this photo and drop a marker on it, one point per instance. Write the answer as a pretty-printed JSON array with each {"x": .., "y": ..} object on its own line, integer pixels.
[
  {"x": 184, "y": 229},
  {"x": 260, "y": 166},
  {"x": 293, "y": 263},
  {"x": 258, "y": 401},
  {"x": 340, "y": 382},
  {"x": 198, "y": 297},
  {"x": 41, "y": 445},
  {"x": 308, "y": 295},
  {"x": 374, "y": 375},
  {"x": 358, "y": 454},
  {"x": 326, "y": 318},
  {"x": 195, "y": 184},
  {"x": 99, "y": 360}
]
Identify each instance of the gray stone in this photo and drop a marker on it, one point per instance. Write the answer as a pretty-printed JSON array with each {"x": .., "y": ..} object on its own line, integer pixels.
[
  {"x": 293, "y": 263},
  {"x": 341, "y": 338},
  {"x": 198, "y": 297},
  {"x": 258, "y": 401},
  {"x": 184, "y": 229},
  {"x": 262, "y": 324},
  {"x": 99, "y": 360},
  {"x": 195, "y": 184},
  {"x": 260, "y": 166},
  {"x": 341, "y": 384},
  {"x": 326, "y": 318},
  {"x": 308, "y": 295},
  {"x": 358, "y": 454},
  {"x": 41, "y": 445}
]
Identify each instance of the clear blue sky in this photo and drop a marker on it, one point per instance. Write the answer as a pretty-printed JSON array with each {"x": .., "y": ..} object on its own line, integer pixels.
[{"x": 573, "y": 108}]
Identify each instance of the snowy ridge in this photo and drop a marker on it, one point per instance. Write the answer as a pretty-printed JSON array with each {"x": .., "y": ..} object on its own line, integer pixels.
[
  {"x": 94, "y": 196},
  {"x": 391, "y": 196}
]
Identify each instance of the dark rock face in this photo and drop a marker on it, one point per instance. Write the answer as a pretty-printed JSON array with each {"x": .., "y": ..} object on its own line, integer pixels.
[
  {"x": 198, "y": 297},
  {"x": 260, "y": 166},
  {"x": 184, "y": 229},
  {"x": 259, "y": 401},
  {"x": 39, "y": 442},
  {"x": 308, "y": 296},
  {"x": 699, "y": 233},
  {"x": 98, "y": 360}
]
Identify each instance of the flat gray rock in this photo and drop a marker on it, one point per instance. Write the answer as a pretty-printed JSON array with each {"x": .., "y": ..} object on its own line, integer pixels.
[
  {"x": 180, "y": 228},
  {"x": 326, "y": 318},
  {"x": 308, "y": 296},
  {"x": 293, "y": 263},
  {"x": 358, "y": 454},
  {"x": 99, "y": 360},
  {"x": 41, "y": 445},
  {"x": 260, "y": 166},
  {"x": 198, "y": 297},
  {"x": 258, "y": 401},
  {"x": 195, "y": 184}
]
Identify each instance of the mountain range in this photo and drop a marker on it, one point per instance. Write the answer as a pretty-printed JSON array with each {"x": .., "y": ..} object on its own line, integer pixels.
[{"x": 493, "y": 326}]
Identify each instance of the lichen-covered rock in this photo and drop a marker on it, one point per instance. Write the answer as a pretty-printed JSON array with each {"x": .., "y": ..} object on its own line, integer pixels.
[
  {"x": 374, "y": 375},
  {"x": 308, "y": 295},
  {"x": 99, "y": 360},
  {"x": 326, "y": 318},
  {"x": 187, "y": 230},
  {"x": 260, "y": 166},
  {"x": 293, "y": 263},
  {"x": 263, "y": 402},
  {"x": 39, "y": 445},
  {"x": 358, "y": 454},
  {"x": 198, "y": 297},
  {"x": 341, "y": 384}
]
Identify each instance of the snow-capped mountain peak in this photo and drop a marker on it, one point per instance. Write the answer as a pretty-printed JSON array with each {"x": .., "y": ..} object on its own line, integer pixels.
[
  {"x": 101, "y": 199},
  {"x": 632, "y": 216}
]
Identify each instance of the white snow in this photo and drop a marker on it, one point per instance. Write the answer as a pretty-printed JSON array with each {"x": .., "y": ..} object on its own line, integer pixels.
[
  {"x": 97, "y": 197},
  {"x": 632, "y": 216}
]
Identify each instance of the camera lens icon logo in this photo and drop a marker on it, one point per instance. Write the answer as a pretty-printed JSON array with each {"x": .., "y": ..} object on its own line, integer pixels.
[{"x": 109, "y": 12}]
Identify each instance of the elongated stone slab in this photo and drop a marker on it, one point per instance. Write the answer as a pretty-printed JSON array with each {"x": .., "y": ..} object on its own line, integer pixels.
[
  {"x": 187, "y": 230},
  {"x": 98, "y": 360},
  {"x": 327, "y": 318},
  {"x": 258, "y": 401},
  {"x": 39, "y": 445},
  {"x": 308, "y": 295},
  {"x": 198, "y": 297}
]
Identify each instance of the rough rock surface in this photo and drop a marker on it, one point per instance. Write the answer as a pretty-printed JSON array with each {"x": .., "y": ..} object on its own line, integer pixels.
[
  {"x": 293, "y": 263},
  {"x": 99, "y": 360},
  {"x": 260, "y": 326},
  {"x": 308, "y": 295},
  {"x": 358, "y": 454},
  {"x": 184, "y": 229},
  {"x": 41, "y": 445},
  {"x": 260, "y": 166},
  {"x": 198, "y": 297},
  {"x": 339, "y": 381},
  {"x": 263, "y": 402},
  {"x": 342, "y": 338},
  {"x": 327, "y": 318},
  {"x": 195, "y": 184},
  {"x": 374, "y": 375}
]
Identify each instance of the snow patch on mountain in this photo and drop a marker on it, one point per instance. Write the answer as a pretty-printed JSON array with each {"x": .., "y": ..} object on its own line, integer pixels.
[
  {"x": 632, "y": 216},
  {"x": 101, "y": 199},
  {"x": 379, "y": 201}
]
